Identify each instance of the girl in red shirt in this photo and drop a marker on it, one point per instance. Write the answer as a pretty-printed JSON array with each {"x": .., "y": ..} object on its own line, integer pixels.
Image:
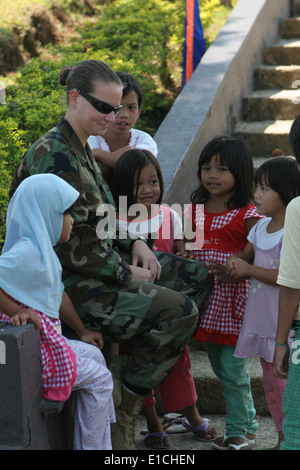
[{"x": 221, "y": 207}]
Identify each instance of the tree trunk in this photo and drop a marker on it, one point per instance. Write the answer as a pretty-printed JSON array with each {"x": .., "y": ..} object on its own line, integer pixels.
[{"x": 226, "y": 3}]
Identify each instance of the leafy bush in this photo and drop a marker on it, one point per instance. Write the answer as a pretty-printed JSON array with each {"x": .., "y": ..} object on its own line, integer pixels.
[
  {"x": 141, "y": 38},
  {"x": 11, "y": 150}
]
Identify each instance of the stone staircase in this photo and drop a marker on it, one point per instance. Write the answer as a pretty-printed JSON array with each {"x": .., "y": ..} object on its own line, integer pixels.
[{"x": 269, "y": 110}]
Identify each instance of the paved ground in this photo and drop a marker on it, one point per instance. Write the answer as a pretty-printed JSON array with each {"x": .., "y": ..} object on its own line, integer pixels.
[
  {"x": 211, "y": 405},
  {"x": 266, "y": 436}
]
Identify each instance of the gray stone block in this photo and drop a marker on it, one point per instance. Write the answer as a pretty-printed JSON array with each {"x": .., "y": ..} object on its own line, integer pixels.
[{"x": 21, "y": 423}]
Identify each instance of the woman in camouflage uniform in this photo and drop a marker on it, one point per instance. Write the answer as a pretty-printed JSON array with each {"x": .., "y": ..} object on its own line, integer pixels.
[{"x": 117, "y": 286}]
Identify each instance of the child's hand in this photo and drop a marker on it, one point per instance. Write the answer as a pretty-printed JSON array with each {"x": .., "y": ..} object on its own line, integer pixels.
[
  {"x": 186, "y": 254},
  {"x": 229, "y": 263},
  {"x": 219, "y": 271},
  {"x": 24, "y": 315},
  {"x": 281, "y": 361},
  {"x": 92, "y": 337},
  {"x": 240, "y": 269}
]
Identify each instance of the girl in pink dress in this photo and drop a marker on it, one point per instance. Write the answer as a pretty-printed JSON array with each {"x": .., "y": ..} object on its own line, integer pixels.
[
  {"x": 137, "y": 176},
  {"x": 221, "y": 207},
  {"x": 277, "y": 183}
]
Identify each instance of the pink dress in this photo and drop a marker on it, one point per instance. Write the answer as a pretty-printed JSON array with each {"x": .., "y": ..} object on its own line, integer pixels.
[
  {"x": 258, "y": 332},
  {"x": 257, "y": 336},
  {"x": 58, "y": 359}
]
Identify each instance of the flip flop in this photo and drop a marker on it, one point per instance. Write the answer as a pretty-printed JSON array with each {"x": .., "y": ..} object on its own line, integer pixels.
[
  {"x": 229, "y": 446},
  {"x": 220, "y": 443},
  {"x": 195, "y": 429},
  {"x": 161, "y": 436},
  {"x": 171, "y": 424},
  {"x": 239, "y": 446}
]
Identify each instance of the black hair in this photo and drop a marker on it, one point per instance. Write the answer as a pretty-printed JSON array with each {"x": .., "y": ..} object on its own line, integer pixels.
[
  {"x": 294, "y": 138},
  {"x": 130, "y": 83},
  {"x": 282, "y": 175},
  {"x": 70, "y": 209},
  {"x": 125, "y": 170},
  {"x": 235, "y": 154},
  {"x": 84, "y": 75}
]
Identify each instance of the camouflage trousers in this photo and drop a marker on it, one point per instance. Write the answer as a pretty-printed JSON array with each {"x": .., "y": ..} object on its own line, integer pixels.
[{"x": 160, "y": 318}]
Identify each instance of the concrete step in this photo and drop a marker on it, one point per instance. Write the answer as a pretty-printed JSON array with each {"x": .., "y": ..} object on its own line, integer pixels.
[
  {"x": 264, "y": 136},
  {"x": 271, "y": 105},
  {"x": 277, "y": 77},
  {"x": 290, "y": 28},
  {"x": 284, "y": 52}
]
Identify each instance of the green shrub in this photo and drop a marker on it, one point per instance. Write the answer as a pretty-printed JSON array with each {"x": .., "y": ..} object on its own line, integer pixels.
[
  {"x": 11, "y": 150},
  {"x": 141, "y": 38}
]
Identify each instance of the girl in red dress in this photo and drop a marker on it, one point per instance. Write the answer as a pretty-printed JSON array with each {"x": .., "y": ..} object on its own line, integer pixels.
[{"x": 221, "y": 207}]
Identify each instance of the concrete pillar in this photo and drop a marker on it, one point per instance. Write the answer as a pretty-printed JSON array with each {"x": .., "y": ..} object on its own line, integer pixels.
[{"x": 21, "y": 423}]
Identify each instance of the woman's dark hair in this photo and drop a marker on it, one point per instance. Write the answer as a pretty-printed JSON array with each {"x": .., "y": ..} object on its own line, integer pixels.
[
  {"x": 282, "y": 175},
  {"x": 127, "y": 167},
  {"x": 84, "y": 75},
  {"x": 235, "y": 154},
  {"x": 130, "y": 83}
]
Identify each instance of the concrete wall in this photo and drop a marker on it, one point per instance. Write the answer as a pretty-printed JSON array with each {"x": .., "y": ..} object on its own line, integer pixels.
[
  {"x": 27, "y": 422},
  {"x": 210, "y": 104},
  {"x": 21, "y": 426}
]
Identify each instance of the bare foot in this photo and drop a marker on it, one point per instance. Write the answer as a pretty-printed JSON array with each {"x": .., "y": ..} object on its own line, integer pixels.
[{"x": 155, "y": 442}]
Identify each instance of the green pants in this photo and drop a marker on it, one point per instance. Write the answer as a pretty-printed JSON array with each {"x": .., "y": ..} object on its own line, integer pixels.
[
  {"x": 160, "y": 318},
  {"x": 240, "y": 411},
  {"x": 291, "y": 401}
]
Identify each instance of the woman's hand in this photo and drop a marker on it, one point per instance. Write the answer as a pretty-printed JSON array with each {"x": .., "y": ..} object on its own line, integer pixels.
[
  {"x": 143, "y": 256},
  {"x": 142, "y": 274},
  {"x": 24, "y": 315}
]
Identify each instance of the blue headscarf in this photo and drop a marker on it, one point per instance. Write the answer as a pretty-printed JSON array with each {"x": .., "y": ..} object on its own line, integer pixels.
[{"x": 30, "y": 270}]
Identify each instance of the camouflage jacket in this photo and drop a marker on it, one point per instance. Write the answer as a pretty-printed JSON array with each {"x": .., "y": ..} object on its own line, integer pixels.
[{"x": 60, "y": 151}]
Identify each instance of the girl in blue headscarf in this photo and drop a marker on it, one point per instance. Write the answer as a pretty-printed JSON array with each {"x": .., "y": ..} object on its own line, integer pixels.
[{"x": 31, "y": 289}]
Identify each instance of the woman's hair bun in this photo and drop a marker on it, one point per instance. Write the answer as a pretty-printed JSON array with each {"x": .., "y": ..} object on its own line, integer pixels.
[{"x": 63, "y": 74}]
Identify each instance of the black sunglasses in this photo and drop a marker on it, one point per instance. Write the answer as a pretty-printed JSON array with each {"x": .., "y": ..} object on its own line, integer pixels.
[{"x": 101, "y": 106}]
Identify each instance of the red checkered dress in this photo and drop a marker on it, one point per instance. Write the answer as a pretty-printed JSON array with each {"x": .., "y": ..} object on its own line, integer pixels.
[
  {"x": 224, "y": 234},
  {"x": 58, "y": 359}
]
